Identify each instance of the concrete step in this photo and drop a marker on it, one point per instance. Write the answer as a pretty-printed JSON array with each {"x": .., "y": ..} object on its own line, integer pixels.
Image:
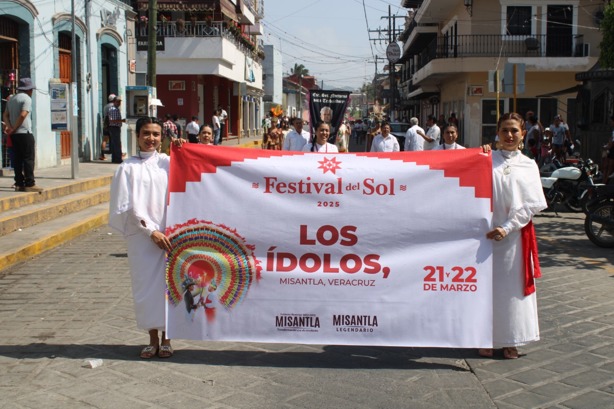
[
  {"x": 31, "y": 223},
  {"x": 28, "y": 216},
  {"x": 20, "y": 199},
  {"x": 19, "y": 246}
]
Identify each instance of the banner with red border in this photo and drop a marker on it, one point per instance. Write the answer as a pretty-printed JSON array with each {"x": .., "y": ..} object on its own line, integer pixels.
[{"x": 347, "y": 249}]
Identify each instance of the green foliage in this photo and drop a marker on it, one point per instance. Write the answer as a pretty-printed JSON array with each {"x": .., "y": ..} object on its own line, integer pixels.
[
  {"x": 368, "y": 89},
  {"x": 606, "y": 58},
  {"x": 299, "y": 69}
]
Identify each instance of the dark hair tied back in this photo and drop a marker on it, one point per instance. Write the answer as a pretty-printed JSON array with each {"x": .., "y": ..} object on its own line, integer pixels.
[{"x": 146, "y": 120}]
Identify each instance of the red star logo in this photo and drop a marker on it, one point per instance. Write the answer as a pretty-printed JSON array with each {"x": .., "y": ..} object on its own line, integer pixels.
[{"x": 329, "y": 165}]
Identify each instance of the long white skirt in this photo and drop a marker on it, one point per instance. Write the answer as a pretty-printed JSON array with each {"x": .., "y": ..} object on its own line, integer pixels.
[
  {"x": 515, "y": 315},
  {"x": 147, "y": 269}
]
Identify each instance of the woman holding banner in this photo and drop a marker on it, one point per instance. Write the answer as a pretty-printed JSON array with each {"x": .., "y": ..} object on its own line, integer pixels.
[
  {"x": 138, "y": 211},
  {"x": 517, "y": 197},
  {"x": 321, "y": 144}
]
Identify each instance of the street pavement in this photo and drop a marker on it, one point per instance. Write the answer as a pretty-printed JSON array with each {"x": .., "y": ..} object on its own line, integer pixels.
[{"x": 73, "y": 304}]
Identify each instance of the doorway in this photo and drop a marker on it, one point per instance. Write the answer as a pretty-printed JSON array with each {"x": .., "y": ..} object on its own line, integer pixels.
[{"x": 559, "y": 29}]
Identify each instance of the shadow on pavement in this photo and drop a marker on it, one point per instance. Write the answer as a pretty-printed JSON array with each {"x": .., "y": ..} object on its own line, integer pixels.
[
  {"x": 562, "y": 237},
  {"x": 331, "y": 357}
]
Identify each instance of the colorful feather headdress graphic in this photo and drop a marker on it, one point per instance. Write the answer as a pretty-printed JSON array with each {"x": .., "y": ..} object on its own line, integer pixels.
[{"x": 210, "y": 253}]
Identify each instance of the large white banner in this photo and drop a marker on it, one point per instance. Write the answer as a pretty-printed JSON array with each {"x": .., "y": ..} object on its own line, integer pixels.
[{"x": 315, "y": 248}]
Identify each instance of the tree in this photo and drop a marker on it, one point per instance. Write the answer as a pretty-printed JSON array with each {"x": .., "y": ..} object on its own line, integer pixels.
[
  {"x": 369, "y": 90},
  {"x": 299, "y": 70},
  {"x": 606, "y": 57}
]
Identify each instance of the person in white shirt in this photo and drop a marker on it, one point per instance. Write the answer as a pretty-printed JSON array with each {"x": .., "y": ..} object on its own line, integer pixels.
[
  {"x": 223, "y": 119},
  {"x": 433, "y": 134},
  {"x": 450, "y": 134},
  {"x": 320, "y": 143},
  {"x": 414, "y": 141},
  {"x": 217, "y": 126},
  {"x": 192, "y": 129},
  {"x": 297, "y": 138},
  {"x": 385, "y": 141}
]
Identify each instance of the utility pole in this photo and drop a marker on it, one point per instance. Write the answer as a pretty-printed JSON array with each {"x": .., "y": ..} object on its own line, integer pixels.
[
  {"x": 387, "y": 36},
  {"x": 391, "y": 67},
  {"x": 74, "y": 123},
  {"x": 152, "y": 43},
  {"x": 300, "y": 96}
]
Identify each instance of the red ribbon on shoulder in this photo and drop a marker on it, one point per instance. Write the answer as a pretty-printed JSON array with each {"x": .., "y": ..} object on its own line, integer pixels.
[{"x": 530, "y": 259}]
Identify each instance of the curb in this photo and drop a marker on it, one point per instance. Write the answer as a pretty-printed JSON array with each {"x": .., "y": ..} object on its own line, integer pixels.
[
  {"x": 24, "y": 198},
  {"x": 53, "y": 240}
]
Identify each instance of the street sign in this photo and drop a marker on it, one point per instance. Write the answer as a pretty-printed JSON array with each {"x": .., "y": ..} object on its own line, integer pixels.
[
  {"x": 494, "y": 81},
  {"x": 510, "y": 80},
  {"x": 142, "y": 43},
  {"x": 393, "y": 52}
]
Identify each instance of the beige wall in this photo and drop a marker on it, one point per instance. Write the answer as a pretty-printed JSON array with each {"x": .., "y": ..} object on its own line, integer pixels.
[{"x": 455, "y": 89}]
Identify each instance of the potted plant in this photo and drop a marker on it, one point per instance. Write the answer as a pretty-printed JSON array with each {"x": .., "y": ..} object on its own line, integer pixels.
[{"x": 180, "y": 25}]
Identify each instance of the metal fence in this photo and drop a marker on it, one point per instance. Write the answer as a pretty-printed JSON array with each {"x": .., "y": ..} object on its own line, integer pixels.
[{"x": 464, "y": 46}]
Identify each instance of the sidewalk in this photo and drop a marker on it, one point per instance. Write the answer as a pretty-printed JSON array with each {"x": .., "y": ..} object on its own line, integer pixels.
[
  {"x": 62, "y": 175},
  {"x": 74, "y": 303}
]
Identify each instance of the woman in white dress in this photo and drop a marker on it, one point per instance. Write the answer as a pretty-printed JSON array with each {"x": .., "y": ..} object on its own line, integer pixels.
[
  {"x": 138, "y": 211},
  {"x": 517, "y": 197},
  {"x": 321, "y": 144}
]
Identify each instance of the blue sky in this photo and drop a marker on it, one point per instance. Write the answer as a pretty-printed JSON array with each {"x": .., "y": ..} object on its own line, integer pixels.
[{"x": 330, "y": 37}]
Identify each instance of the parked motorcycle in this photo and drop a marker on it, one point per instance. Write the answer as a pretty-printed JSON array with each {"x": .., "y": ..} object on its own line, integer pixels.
[
  {"x": 569, "y": 185},
  {"x": 599, "y": 223},
  {"x": 596, "y": 196}
]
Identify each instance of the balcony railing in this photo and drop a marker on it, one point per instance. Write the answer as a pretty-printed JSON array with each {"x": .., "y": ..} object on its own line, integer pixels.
[
  {"x": 203, "y": 29},
  {"x": 503, "y": 45}
]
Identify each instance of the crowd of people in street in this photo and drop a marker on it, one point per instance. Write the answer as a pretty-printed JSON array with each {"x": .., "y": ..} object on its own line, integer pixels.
[{"x": 171, "y": 129}]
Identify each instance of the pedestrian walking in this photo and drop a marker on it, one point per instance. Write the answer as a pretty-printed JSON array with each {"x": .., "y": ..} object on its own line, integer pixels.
[
  {"x": 115, "y": 130},
  {"x": 18, "y": 126},
  {"x": 433, "y": 134},
  {"x": 215, "y": 122},
  {"x": 320, "y": 142},
  {"x": 178, "y": 126},
  {"x": 450, "y": 135},
  {"x": 206, "y": 135},
  {"x": 193, "y": 129},
  {"x": 413, "y": 137},
  {"x": 169, "y": 133},
  {"x": 105, "y": 127},
  {"x": 296, "y": 138},
  {"x": 385, "y": 141},
  {"x": 223, "y": 120}
]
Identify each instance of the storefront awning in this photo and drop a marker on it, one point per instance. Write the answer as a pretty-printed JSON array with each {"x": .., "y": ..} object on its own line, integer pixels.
[
  {"x": 573, "y": 90},
  {"x": 423, "y": 90}
]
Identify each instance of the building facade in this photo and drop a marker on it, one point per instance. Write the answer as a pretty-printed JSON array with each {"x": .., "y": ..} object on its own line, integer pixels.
[
  {"x": 273, "y": 78},
  {"x": 36, "y": 42},
  {"x": 452, "y": 47},
  {"x": 209, "y": 55}
]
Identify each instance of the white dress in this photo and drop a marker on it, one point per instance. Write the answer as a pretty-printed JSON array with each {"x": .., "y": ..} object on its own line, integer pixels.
[
  {"x": 138, "y": 193},
  {"x": 326, "y": 148},
  {"x": 446, "y": 147},
  {"x": 517, "y": 196}
]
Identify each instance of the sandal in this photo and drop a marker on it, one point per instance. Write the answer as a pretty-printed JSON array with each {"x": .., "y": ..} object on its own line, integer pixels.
[
  {"x": 510, "y": 353},
  {"x": 165, "y": 351},
  {"x": 486, "y": 352},
  {"x": 149, "y": 352}
]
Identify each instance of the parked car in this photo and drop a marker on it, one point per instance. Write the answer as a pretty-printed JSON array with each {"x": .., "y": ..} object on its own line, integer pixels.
[{"x": 398, "y": 129}]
